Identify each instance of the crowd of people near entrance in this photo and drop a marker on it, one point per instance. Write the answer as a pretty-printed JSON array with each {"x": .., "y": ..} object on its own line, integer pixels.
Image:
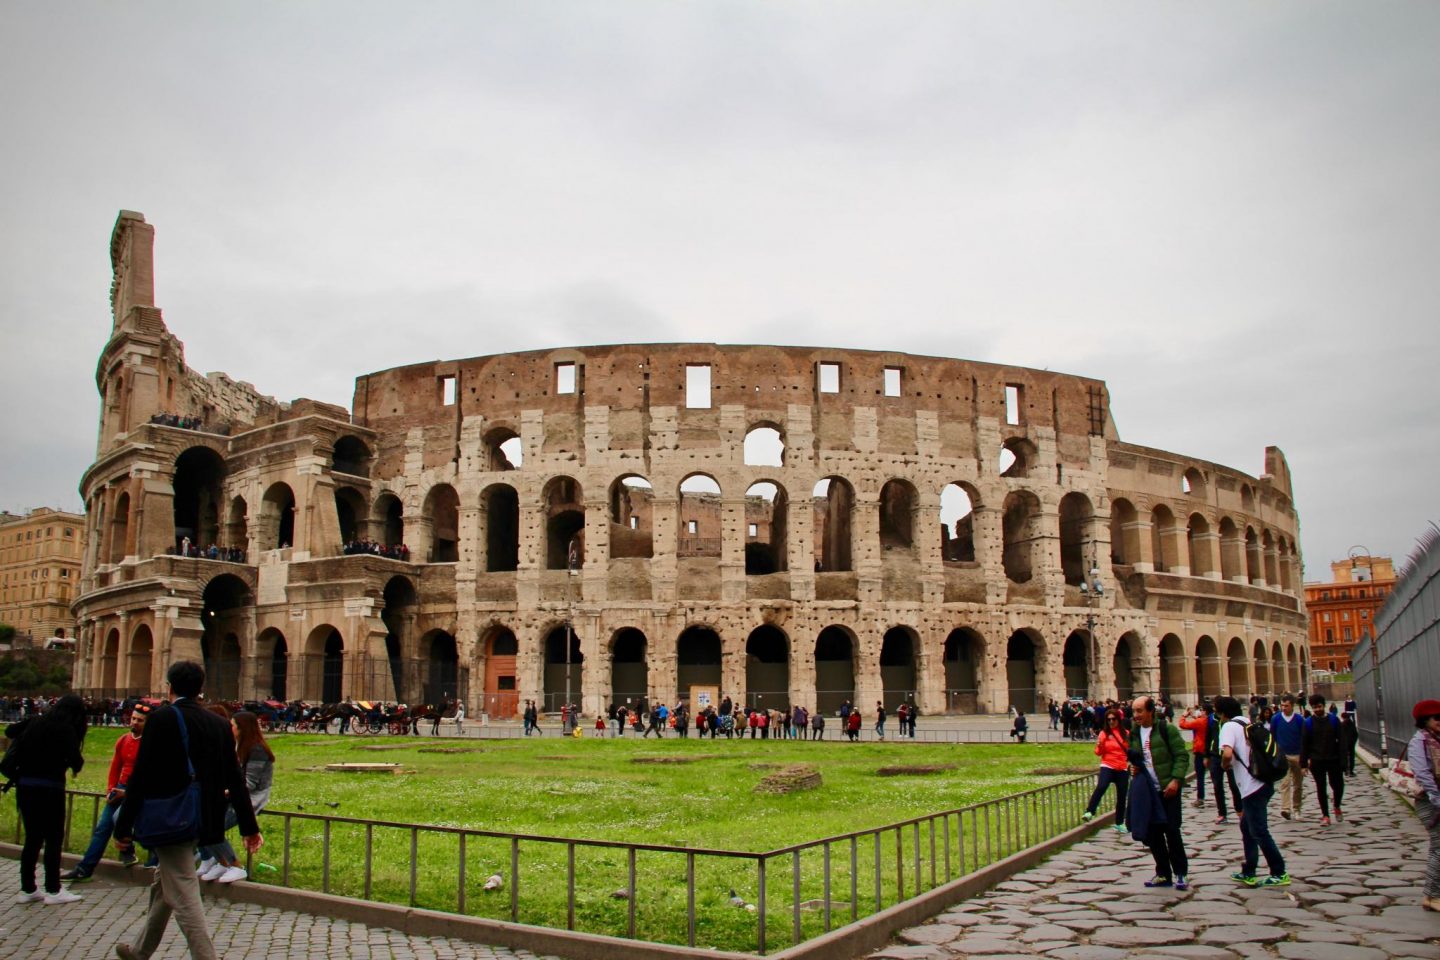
[
  {"x": 727, "y": 719},
  {"x": 188, "y": 548},
  {"x": 393, "y": 551},
  {"x": 184, "y": 422}
]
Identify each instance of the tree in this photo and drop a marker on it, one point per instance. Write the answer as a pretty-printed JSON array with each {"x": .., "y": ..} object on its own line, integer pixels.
[{"x": 7, "y": 635}]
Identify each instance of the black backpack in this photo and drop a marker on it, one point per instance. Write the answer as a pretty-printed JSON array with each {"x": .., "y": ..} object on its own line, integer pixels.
[{"x": 1267, "y": 764}]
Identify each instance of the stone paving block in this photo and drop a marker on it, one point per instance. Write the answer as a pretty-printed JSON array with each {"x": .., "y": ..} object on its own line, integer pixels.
[
  {"x": 1139, "y": 937},
  {"x": 1087, "y": 951},
  {"x": 1328, "y": 951},
  {"x": 930, "y": 933},
  {"x": 1243, "y": 933}
]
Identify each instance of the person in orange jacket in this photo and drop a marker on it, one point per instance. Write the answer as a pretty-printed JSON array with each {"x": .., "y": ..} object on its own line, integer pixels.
[
  {"x": 1197, "y": 721},
  {"x": 1110, "y": 746}
]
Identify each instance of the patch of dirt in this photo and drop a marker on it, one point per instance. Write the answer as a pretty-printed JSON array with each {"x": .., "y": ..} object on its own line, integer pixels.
[
  {"x": 554, "y": 756},
  {"x": 791, "y": 779},
  {"x": 451, "y": 750},
  {"x": 763, "y": 766},
  {"x": 914, "y": 771},
  {"x": 663, "y": 759},
  {"x": 1060, "y": 771},
  {"x": 383, "y": 746}
]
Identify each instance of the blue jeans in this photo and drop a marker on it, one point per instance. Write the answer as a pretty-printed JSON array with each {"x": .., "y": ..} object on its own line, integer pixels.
[
  {"x": 1255, "y": 832},
  {"x": 100, "y": 839}
]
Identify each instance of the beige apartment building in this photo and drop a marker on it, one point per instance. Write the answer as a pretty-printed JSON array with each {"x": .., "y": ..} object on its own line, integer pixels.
[{"x": 40, "y": 558}]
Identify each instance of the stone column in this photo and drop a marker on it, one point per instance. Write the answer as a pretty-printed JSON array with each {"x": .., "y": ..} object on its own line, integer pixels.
[{"x": 732, "y": 549}]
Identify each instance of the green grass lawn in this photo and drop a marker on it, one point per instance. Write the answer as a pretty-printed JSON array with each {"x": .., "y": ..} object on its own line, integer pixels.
[{"x": 699, "y": 795}]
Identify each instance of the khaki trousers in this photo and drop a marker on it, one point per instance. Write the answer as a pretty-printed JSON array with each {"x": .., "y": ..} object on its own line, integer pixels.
[
  {"x": 1292, "y": 792},
  {"x": 175, "y": 890}
]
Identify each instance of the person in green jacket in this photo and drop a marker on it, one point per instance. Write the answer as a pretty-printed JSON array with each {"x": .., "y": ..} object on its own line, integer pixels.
[{"x": 1166, "y": 762}]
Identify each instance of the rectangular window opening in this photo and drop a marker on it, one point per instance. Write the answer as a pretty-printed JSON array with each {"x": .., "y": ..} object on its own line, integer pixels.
[
  {"x": 1012, "y": 403},
  {"x": 447, "y": 391},
  {"x": 692, "y": 526},
  {"x": 634, "y": 523},
  {"x": 564, "y": 378},
  {"x": 697, "y": 386},
  {"x": 754, "y": 530},
  {"x": 892, "y": 381},
  {"x": 829, "y": 378}
]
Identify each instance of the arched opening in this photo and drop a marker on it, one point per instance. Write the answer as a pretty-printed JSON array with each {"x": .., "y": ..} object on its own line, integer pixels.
[
  {"x": 1263, "y": 684},
  {"x": 1232, "y": 551},
  {"x": 1124, "y": 532},
  {"x": 697, "y": 660},
  {"x": 277, "y": 517},
  {"x": 398, "y": 615},
  {"x": 898, "y": 505},
  {"x": 1022, "y": 657},
  {"x": 1192, "y": 483},
  {"x": 442, "y": 668},
  {"x": 352, "y": 457},
  {"x": 632, "y": 518},
  {"x": 897, "y": 666},
  {"x": 1277, "y": 668},
  {"x": 764, "y": 446},
  {"x": 502, "y": 692},
  {"x": 1207, "y": 668},
  {"x": 351, "y": 511},
  {"x": 766, "y": 516},
  {"x": 272, "y": 665},
  {"x": 120, "y": 529},
  {"x": 1021, "y": 528},
  {"x": 1254, "y": 563},
  {"x": 199, "y": 477},
  {"x": 1162, "y": 539},
  {"x": 502, "y": 528},
  {"x": 223, "y": 606},
  {"x": 1017, "y": 457},
  {"x": 767, "y": 667},
  {"x": 236, "y": 525},
  {"x": 503, "y": 449},
  {"x": 964, "y": 659},
  {"x": 1076, "y": 517},
  {"x": 834, "y": 669},
  {"x": 139, "y": 661},
  {"x": 1076, "y": 660},
  {"x": 109, "y": 659},
  {"x": 1126, "y": 650},
  {"x": 1292, "y": 668},
  {"x": 629, "y": 672},
  {"x": 1239, "y": 672},
  {"x": 1272, "y": 559},
  {"x": 1197, "y": 542},
  {"x": 1172, "y": 666},
  {"x": 564, "y": 524},
  {"x": 699, "y": 518},
  {"x": 834, "y": 501},
  {"x": 442, "y": 509},
  {"x": 558, "y": 668},
  {"x": 957, "y": 522},
  {"x": 390, "y": 513}
]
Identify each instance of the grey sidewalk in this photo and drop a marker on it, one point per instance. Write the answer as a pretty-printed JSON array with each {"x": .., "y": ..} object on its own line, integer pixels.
[
  {"x": 88, "y": 930},
  {"x": 1355, "y": 896}
]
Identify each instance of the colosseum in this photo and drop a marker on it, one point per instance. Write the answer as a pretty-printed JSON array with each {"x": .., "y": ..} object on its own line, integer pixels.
[{"x": 681, "y": 520}]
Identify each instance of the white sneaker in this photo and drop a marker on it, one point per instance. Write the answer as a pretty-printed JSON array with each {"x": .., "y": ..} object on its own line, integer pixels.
[
  {"x": 214, "y": 872},
  {"x": 205, "y": 866},
  {"x": 64, "y": 896},
  {"x": 34, "y": 896},
  {"x": 232, "y": 874}
]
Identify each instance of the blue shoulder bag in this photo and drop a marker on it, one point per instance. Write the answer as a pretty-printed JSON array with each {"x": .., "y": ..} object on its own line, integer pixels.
[{"x": 165, "y": 821}]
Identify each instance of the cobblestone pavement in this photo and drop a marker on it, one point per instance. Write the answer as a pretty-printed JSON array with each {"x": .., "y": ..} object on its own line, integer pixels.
[
  {"x": 111, "y": 912},
  {"x": 1355, "y": 896}
]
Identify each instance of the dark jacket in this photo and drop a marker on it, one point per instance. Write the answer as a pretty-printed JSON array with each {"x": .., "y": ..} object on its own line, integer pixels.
[
  {"x": 1168, "y": 750},
  {"x": 1146, "y": 808},
  {"x": 1321, "y": 741},
  {"x": 45, "y": 750},
  {"x": 160, "y": 770}
]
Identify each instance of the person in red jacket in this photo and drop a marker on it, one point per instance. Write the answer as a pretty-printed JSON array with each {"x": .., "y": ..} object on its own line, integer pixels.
[
  {"x": 1197, "y": 721},
  {"x": 127, "y": 748},
  {"x": 1111, "y": 746}
]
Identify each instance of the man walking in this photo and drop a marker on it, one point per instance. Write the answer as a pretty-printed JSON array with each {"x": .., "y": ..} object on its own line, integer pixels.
[
  {"x": 179, "y": 738},
  {"x": 1255, "y": 797},
  {"x": 1287, "y": 727},
  {"x": 1320, "y": 753},
  {"x": 122, "y": 763},
  {"x": 1166, "y": 763}
]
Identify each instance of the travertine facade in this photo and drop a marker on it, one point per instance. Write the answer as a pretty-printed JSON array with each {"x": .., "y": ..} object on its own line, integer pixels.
[
  {"x": 40, "y": 571},
  {"x": 609, "y": 488}
]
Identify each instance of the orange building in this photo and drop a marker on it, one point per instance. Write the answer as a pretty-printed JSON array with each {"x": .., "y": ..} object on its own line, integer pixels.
[{"x": 1342, "y": 611}]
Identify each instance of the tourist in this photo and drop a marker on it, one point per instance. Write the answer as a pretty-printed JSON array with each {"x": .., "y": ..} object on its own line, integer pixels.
[
  {"x": 1218, "y": 780},
  {"x": 1019, "y": 727},
  {"x": 1111, "y": 745},
  {"x": 817, "y": 726},
  {"x": 459, "y": 718},
  {"x": 879, "y": 720},
  {"x": 1321, "y": 754},
  {"x": 1423, "y": 753},
  {"x": 1349, "y": 740},
  {"x": 1197, "y": 721},
  {"x": 1166, "y": 763},
  {"x": 1054, "y": 716},
  {"x": 1255, "y": 797},
  {"x": 1287, "y": 726},
  {"x": 122, "y": 762},
  {"x": 911, "y": 714},
  {"x": 254, "y": 755},
  {"x": 184, "y": 741},
  {"x": 48, "y": 745},
  {"x": 852, "y": 726}
]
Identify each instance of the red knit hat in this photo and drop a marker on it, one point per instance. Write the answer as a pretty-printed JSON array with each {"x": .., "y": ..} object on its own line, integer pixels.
[{"x": 1426, "y": 708}]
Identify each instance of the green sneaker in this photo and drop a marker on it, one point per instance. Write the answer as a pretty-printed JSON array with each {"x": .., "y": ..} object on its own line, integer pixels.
[
  {"x": 1281, "y": 881},
  {"x": 1249, "y": 879},
  {"x": 1087, "y": 816}
]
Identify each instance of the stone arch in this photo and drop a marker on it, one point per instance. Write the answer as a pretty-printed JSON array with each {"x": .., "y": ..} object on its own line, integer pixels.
[
  {"x": 272, "y": 665},
  {"x": 1077, "y": 515},
  {"x": 767, "y": 667},
  {"x": 767, "y": 509},
  {"x": 764, "y": 445},
  {"x": 442, "y": 513},
  {"x": 120, "y": 529},
  {"x": 1021, "y": 528},
  {"x": 564, "y": 503},
  {"x": 698, "y": 517},
  {"x": 1172, "y": 666},
  {"x": 1272, "y": 564},
  {"x": 834, "y": 500},
  {"x": 503, "y": 449},
  {"x": 389, "y": 514},
  {"x": 1192, "y": 483},
  {"x": 1024, "y": 654},
  {"x": 198, "y": 484},
  {"x": 698, "y": 658},
  {"x": 1124, "y": 532},
  {"x": 139, "y": 659},
  {"x": 1018, "y": 458},
  {"x": 501, "y": 505},
  {"x": 964, "y": 670},
  {"x": 632, "y": 518},
  {"x": 1292, "y": 668},
  {"x": 1197, "y": 544},
  {"x": 899, "y": 653},
  {"x": 501, "y": 651},
  {"x": 351, "y": 456},
  {"x": 1277, "y": 668},
  {"x": 556, "y": 668},
  {"x": 325, "y": 665},
  {"x": 223, "y": 607},
  {"x": 352, "y": 512},
  {"x": 834, "y": 669},
  {"x": 1208, "y": 681},
  {"x": 1264, "y": 684},
  {"x": 899, "y": 503},
  {"x": 1126, "y": 664},
  {"x": 958, "y": 502},
  {"x": 110, "y": 660},
  {"x": 1232, "y": 551},
  {"x": 237, "y": 530},
  {"x": 1238, "y": 669},
  {"x": 1254, "y": 558},
  {"x": 400, "y": 601},
  {"x": 1075, "y": 658},
  {"x": 277, "y": 517},
  {"x": 629, "y": 667},
  {"x": 441, "y": 658},
  {"x": 1163, "y": 536}
]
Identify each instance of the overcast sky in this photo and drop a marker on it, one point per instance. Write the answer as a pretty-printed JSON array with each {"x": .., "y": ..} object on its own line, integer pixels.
[{"x": 1228, "y": 211}]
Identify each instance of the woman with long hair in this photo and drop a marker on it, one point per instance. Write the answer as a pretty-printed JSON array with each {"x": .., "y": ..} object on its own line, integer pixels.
[
  {"x": 258, "y": 761},
  {"x": 1110, "y": 747},
  {"x": 48, "y": 745}
]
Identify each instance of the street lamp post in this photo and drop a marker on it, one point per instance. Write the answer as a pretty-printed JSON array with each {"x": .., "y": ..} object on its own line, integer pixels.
[
  {"x": 571, "y": 560},
  {"x": 1093, "y": 591}
]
